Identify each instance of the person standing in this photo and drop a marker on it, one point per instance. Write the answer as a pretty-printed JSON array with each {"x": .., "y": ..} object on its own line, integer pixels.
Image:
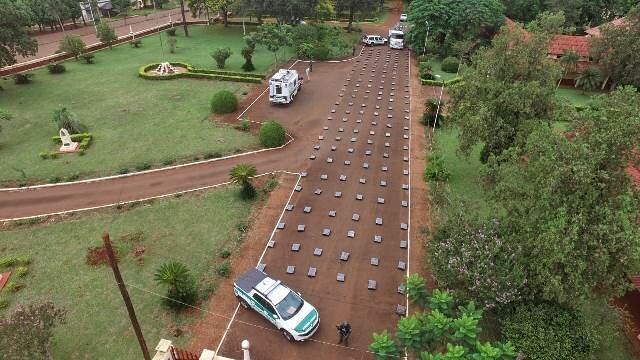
[{"x": 344, "y": 330}]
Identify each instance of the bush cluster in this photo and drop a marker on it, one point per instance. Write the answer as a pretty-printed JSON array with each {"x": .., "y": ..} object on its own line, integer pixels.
[
  {"x": 220, "y": 55},
  {"x": 435, "y": 169},
  {"x": 272, "y": 134},
  {"x": 22, "y": 79},
  {"x": 224, "y": 102},
  {"x": 450, "y": 65}
]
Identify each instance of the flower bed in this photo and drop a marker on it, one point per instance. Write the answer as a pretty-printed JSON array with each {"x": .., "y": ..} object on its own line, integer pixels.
[{"x": 144, "y": 72}]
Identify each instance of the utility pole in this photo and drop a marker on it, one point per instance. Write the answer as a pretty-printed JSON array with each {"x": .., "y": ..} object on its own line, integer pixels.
[{"x": 125, "y": 296}]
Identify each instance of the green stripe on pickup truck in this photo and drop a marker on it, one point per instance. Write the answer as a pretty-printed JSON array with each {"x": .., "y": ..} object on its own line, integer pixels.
[
  {"x": 308, "y": 320},
  {"x": 252, "y": 302}
]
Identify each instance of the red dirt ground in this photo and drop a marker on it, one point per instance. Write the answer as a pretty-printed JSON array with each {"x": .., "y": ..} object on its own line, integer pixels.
[{"x": 366, "y": 310}]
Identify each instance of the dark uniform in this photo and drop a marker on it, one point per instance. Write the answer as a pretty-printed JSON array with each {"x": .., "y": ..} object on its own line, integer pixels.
[{"x": 344, "y": 330}]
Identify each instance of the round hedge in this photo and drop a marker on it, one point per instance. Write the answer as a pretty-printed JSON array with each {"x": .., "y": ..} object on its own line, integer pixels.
[
  {"x": 272, "y": 134},
  {"x": 450, "y": 65},
  {"x": 224, "y": 102}
]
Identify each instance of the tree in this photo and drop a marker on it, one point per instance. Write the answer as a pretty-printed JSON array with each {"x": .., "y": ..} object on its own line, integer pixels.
[
  {"x": 220, "y": 55},
  {"x": 617, "y": 50},
  {"x": 73, "y": 44},
  {"x": 182, "y": 290},
  {"x": 247, "y": 54},
  {"x": 452, "y": 20},
  {"x": 509, "y": 87},
  {"x": 590, "y": 79},
  {"x": 222, "y": 7},
  {"x": 14, "y": 40},
  {"x": 324, "y": 10},
  {"x": 549, "y": 331},
  {"x": 243, "y": 175},
  {"x": 353, "y": 7},
  {"x": 569, "y": 60},
  {"x": 26, "y": 332},
  {"x": 471, "y": 256},
  {"x": 122, "y": 7},
  {"x": 443, "y": 332},
  {"x": 273, "y": 37},
  {"x": 570, "y": 205},
  {"x": 523, "y": 10},
  {"x": 184, "y": 19},
  {"x": 106, "y": 33}
]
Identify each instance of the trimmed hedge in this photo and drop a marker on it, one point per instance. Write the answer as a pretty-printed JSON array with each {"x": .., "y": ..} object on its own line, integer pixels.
[
  {"x": 441, "y": 82},
  {"x": 272, "y": 134},
  {"x": 450, "y": 65},
  {"x": 201, "y": 74}
]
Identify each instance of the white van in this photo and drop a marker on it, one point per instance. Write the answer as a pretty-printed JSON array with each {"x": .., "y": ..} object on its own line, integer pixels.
[
  {"x": 284, "y": 308},
  {"x": 284, "y": 86}
]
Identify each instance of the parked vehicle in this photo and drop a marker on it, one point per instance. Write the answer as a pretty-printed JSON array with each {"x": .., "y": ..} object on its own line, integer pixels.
[
  {"x": 396, "y": 36},
  {"x": 373, "y": 40},
  {"x": 284, "y": 86},
  {"x": 284, "y": 308},
  {"x": 403, "y": 17}
]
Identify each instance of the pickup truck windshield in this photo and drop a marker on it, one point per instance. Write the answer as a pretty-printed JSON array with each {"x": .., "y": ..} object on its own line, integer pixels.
[
  {"x": 289, "y": 306},
  {"x": 397, "y": 36}
]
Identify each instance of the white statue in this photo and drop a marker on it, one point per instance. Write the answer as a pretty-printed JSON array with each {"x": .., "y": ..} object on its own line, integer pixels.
[
  {"x": 165, "y": 68},
  {"x": 67, "y": 144}
]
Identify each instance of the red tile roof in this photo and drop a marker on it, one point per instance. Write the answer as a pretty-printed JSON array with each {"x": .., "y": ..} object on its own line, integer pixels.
[
  {"x": 560, "y": 43},
  {"x": 595, "y": 31}
]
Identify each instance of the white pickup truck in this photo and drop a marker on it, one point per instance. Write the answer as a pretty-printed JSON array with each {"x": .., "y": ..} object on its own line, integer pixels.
[
  {"x": 373, "y": 40},
  {"x": 284, "y": 308}
]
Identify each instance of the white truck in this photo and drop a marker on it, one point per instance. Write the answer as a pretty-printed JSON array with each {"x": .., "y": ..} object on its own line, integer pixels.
[
  {"x": 284, "y": 86},
  {"x": 284, "y": 308},
  {"x": 396, "y": 36}
]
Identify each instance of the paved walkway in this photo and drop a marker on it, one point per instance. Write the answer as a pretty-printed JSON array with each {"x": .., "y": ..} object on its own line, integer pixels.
[{"x": 48, "y": 43}]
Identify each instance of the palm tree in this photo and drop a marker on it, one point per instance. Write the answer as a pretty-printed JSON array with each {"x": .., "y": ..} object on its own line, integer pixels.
[
  {"x": 569, "y": 60},
  {"x": 243, "y": 175},
  {"x": 171, "y": 274},
  {"x": 589, "y": 79}
]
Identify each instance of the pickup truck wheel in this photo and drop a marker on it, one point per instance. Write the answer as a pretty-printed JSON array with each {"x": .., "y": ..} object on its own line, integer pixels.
[
  {"x": 287, "y": 336},
  {"x": 244, "y": 304}
]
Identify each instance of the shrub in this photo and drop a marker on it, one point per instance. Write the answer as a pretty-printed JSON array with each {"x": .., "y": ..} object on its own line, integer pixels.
[
  {"x": 167, "y": 162},
  {"x": 435, "y": 170},
  {"x": 136, "y": 43},
  {"x": 224, "y": 269},
  {"x": 88, "y": 58},
  {"x": 142, "y": 167},
  {"x": 123, "y": 171},
  {"x": 171, "y": 32},
  {"x": 450, "y": 65},
  {"x": 549, "y": 331},
  {"x": 217, "y": 154},
  {"x": 67, "y": 120},
  {"x": 54, "y": 179},
  {"x": 4, "y": 303},
  {"x": 224, "y": 102},
  {"x": 73, "y": 44},
  {"x": 106, "y": 34},
  {"x": 220, "y": 55},
  {"x": 180, "y": 282},
  {"x": 44, "y": 155},
  {"x": 243, "y": 125},
  {"x": 272, "y": 134},
  {"x": 13, "y": 286},
  {"x": 224, "y": 253},
  {"x": 173, "y": 44},
  {"x": 21, "y": 271},
  {"x": 56, "y": 68},
  {"x": 247, "y": 54},
  {"x": 321, "y": 52},
  {"x": 22, "y": 79}
]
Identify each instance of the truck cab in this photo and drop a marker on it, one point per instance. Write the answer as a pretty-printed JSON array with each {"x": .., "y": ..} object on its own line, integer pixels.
[
  {"x": 396, "y": 36},
  {"x": 284, "y": 308},
  {"x": 284, "y": 86}
]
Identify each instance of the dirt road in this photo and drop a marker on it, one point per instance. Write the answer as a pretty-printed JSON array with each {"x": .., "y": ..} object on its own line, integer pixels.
[{"x": 360, "y": 170}]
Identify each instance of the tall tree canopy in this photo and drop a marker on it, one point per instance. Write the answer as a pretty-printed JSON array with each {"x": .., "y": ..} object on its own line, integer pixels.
[
  {"x": 14, "y": 19},
  {"x": 353, "y": 7},
  {"x": 510, "y": 85},
  {"x": 618, "y": 49},
  {"x": 570, "y": 203},
  {"x": 452, "y": 20},
  {"x": 579, "y": 13}
]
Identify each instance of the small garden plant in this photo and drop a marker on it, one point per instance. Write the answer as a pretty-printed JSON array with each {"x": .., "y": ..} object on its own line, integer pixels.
[
  {"x": 272, "y": 134},
  {"x": 220, "y": 55},
  {"x": 224, "y": 102}
]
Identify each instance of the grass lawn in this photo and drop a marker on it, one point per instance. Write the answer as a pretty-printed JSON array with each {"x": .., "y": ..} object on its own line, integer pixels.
[
  {"x": 133, "y": 120},
  {"x": 575, "y": 96},
  {"x": 191, "y": 230},
  {"x": 436, "y": 65},
  {"x": 465, "y": 183}
]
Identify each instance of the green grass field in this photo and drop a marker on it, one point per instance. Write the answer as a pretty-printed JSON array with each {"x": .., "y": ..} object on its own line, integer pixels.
[
  {"x": 574, "y": 96},
  {"x": 437, "y": 70},
  {"x": 133, "y": 120},
  {"x": 465, "y": 183},
  {"x": 191, "y": 230}
]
